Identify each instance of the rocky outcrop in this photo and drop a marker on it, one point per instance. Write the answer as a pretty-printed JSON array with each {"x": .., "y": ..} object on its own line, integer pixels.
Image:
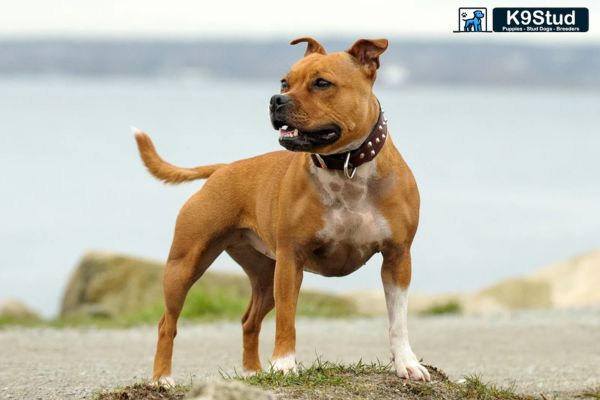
[
  {"x": 573, "y": 283},
  {"x": 16, "y": 309},
  {"x": 110, "y": 285}
]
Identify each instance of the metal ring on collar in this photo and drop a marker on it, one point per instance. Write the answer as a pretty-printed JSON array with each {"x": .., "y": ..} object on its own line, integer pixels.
[
  {"x": 321, "y": 161},
  {"x": 346, "y": 172}
]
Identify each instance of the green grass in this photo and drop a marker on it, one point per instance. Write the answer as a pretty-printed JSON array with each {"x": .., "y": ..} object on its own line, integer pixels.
[
  {"x": 325, "y": 379},
  {"x": 590, "y": 394},
  {"x": 21, "y": 321},
  {"x": 214, "y": 301},
  {"x": 355, "y": 381},
  {"x": 320, "y": 373},
  {"x": 215, "y": 297},
  {"x": 475, "y": 388},
  {"x": 450, "y": 307}
]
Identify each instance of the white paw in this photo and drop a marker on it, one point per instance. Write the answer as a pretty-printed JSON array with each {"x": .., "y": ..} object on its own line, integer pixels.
[
  {"x": 285, "y": 364},
  {"x": 165, "y": 381},
  {"x": 408, "y": 367},
  {"x": 248, "y": 372}
]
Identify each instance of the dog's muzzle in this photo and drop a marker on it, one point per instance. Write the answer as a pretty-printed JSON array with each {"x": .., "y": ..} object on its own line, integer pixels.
[
  {"x": 279, "y": 102},
  {"x": 293, "y": 137}
]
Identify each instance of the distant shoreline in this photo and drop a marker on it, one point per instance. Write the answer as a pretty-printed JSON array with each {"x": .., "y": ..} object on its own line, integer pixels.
[{"x": 408, "y": 62}]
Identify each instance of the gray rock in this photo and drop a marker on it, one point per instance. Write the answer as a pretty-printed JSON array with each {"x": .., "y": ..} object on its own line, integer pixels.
[
  {"x": 109, "y": 285},
  {"x": 224, "y": 390}
]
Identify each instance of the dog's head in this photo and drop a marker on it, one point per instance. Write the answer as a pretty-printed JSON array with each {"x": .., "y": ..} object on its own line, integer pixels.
[
  {"x": 478, "y": 14},
  {"x": 326, "y": 102}
]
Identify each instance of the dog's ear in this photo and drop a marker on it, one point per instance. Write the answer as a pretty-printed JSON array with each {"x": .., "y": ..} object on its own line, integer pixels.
[
  {"x": 367, "y": 52},
  {"x": 313, "y": 45}
]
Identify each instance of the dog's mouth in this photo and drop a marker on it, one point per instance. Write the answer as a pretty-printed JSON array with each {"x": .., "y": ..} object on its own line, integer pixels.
[{"x": 295, "y": 139}]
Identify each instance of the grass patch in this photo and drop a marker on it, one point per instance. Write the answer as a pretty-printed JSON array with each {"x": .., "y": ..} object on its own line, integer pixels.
[
  {"x": 21, "y": 321},
  {"x": 317, "y": 304},
  {"x": 320, "y": 373},
  {"x": 329, "y": 380},
  {"x": 590, "y": 394},
  {"x": 475, "y": 388},
  {"x": 450, "y": 307},
  {"x": 324, "y": 379},
  {"x": 206, "y": 303}
]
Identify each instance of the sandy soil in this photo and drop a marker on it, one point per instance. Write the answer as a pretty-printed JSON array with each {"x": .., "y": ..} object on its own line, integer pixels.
[{"x": 540, "y": 352}]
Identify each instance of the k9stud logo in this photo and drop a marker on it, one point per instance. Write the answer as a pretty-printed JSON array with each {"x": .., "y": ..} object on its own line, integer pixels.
[
  {"x": 523, "y": 19},
  {"x": 541, "y": 19}
]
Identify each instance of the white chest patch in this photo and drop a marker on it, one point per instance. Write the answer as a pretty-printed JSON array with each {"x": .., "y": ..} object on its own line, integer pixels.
[{"x": 350, "y": 214}]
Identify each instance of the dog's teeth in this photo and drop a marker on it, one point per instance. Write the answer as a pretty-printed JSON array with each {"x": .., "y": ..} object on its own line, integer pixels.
[
  {"x": 295, "y": 132},
  {"x": 284, "y": 127}
]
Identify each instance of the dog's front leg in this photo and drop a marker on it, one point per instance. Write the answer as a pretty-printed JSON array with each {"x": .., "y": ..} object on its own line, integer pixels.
[
  {"x": 396, "y": 274},
  {"x": 288, "y": 278}
]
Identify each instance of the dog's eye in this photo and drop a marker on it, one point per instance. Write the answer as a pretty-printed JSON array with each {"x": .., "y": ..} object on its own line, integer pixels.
[
  {"x": 321, "y": 83},
  {"x": 284, "y": 85}
]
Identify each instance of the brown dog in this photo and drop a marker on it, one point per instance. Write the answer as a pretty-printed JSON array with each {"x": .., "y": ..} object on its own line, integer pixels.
[{"x": 341, "y": 195}]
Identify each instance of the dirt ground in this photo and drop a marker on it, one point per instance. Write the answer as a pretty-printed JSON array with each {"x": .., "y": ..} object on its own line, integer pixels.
[{"x": 539, "y": 352}]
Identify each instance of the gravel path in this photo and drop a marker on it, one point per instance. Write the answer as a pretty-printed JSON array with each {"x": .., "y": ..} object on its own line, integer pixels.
[{"x": 539, "y": 352}]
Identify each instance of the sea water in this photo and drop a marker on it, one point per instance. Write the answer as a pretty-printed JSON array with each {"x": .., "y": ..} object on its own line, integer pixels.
[{"x": 509, "y": 178}]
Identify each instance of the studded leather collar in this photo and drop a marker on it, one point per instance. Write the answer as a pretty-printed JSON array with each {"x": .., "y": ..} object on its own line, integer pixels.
[{"x": 368, "y": 150}]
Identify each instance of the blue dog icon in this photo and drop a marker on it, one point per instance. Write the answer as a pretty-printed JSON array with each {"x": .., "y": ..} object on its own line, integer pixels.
[{"x": 474, "y": 24}]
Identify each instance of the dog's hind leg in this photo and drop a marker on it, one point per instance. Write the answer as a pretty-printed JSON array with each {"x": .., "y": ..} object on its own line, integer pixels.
[
  {"x": 201, "y": 234},
  {"x": 260, "y": 270}
]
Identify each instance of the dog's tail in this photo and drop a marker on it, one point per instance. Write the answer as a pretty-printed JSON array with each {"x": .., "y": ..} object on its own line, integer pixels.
[{"x": 164, "y": 171}]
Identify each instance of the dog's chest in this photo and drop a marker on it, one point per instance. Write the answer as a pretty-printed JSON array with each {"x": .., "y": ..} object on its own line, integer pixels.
[{"x": 353, "y": 227}]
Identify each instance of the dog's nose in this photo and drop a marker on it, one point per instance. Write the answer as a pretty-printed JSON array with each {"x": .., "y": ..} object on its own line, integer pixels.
[{"x": 278, "y": 101}]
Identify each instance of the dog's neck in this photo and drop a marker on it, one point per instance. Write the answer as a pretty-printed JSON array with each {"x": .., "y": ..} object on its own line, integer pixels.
[{"x": 349, "y": 160}]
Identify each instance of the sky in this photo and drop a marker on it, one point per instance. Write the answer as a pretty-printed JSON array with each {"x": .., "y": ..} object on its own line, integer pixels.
[{"x": 196, "y": 19}]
